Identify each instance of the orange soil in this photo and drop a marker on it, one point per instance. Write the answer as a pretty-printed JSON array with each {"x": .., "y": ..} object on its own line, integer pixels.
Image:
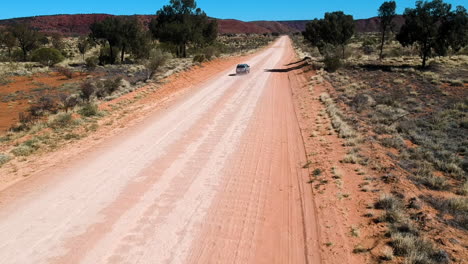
[
  {"x": 9, "y": 110},
  {"x": 132, "y": 108},
  {"x": 346, "y": 204},
  {"x": 225, "y": 156},
  {"x": 340, "y": 203}
]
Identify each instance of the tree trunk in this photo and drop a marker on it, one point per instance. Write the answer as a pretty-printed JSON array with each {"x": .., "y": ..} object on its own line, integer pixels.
[
  {"x": 25, "y": 54},
  {"x": 425, "y": 53},
  {"x": 343, "y": 47},
  {"x": 382, "y": 43},
  {"x": 111, "y": 53},
  {"x": 123, "y": 54}
]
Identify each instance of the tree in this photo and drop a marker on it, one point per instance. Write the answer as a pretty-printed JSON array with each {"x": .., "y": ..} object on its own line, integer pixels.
[
  {"x": 454, "y": 32},
  {"x": 181, "y": 23},
  {"x": 423, "y": 26},
  {"x": 57, "y": 42},
  {"x": 119, "y": 32},
  {"x": 336, "y": 29},
  {"x": 107, "y": 31},
  {"x": 131, "y": 36},
  {"x": 7, "y": 41},
  {"x": 87, "y": 90},
  {"x": 27, "y": 39},
  {"x": 83, "y": 46},
  {"x": 386, "y": 15}
]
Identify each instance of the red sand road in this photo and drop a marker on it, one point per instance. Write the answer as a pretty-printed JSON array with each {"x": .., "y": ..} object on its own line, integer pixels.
[{"x": 216, "y": 177}]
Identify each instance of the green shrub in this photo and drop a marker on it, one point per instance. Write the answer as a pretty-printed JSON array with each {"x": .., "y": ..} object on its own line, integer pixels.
[
  {"x": 199, "y": 58},
  {"x": 417, "y": 250},
  {"x": 47, "y": 56},
  {"x": 209, "y": 52},
  {"x": 388, "y": 202},
  {"x": 457, "y": 207},
  {"x": 65, "y": 72},
  {"x": 88, "y": 110},
  {"x": 332, "y": 63},
  {"x": 27, "y": 148},
  {"x": 87, "y": 90},
  {"x": 434, "y": 182},
  {"x": 157, "y": 59},
  {"x": 22, "y": 151},
  {"x": 91, "y": 62},
  {"x": 4, "y": 158},
  {"x": 105, "y": 55},
  {"x": 393, "y": 142},
  {"x": 72, "y": 136},
  {"x": 61, "y": 120}
]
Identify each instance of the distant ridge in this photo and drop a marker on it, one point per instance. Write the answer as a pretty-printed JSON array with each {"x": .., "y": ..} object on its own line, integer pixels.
[{"x": 79, "y": 24}]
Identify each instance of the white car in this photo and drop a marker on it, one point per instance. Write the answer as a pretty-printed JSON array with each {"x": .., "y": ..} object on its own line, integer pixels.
[{"x": 243, "y": 69}]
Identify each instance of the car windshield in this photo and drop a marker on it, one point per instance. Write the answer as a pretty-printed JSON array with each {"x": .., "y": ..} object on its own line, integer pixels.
[{"x": 241, "y": 66}]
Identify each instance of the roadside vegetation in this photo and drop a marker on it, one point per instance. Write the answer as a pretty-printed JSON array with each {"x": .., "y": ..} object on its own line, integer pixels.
[
  {"x": 53, "y": 84},
  {"x": 404, "y": 91}
]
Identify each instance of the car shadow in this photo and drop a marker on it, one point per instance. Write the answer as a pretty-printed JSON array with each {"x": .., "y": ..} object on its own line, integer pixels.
[
  {"x": 305, "y": 64},
  {"x": 232, "y": 74}
]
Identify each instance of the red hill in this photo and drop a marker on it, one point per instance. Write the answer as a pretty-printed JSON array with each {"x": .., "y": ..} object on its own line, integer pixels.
[{"x": 79, "y": 24}]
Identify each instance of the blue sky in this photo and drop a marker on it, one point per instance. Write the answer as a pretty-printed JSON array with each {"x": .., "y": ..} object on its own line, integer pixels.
[{"x": 246, "y": 10}]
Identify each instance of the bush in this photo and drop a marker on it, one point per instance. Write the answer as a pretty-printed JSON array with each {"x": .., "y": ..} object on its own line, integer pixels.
[
  {"x": 362, "y": 101},
  {"x": 388, "y": 202},
  {"x": 22, "y": 151},
  {"x": 107, "y": 87},
  {"x": 393, "y": 142},
  {"x": 87, "y": 90},
  {"x": 105, "y": 55},
  {"x": 91, "y": 63},
  {"x": 4, "y": 158},
  {"x": 68, "y": 102},
  {"x": 209, "y": 52},
  {"x": 25, "y": 118},
  {"x": 368, "y": 50},
  {"x": 434, "y": 182},
  {"x": 65, "y": 72},
  {"x": 45, "y": 103},
  {"x": 199, "y": 58},
  {"x": 47, "y": 56},
  {"x": 332, "y": 63},
  {"x": 417, "y": 250},
  {"x": 27, "y": 148},
  {"x": 61, "y": 120},
  {"x": 111, "y": 85},
  {"x": 157, "y": 59},
  {"x": 89, "y": 110}
]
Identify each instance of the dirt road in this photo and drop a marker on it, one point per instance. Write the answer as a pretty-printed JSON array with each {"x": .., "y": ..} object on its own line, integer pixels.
[{"x": 216, "y": 177}]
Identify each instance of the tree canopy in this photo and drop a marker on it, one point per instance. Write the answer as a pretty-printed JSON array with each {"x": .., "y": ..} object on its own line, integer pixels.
[
  {"x": 181, "y": 23},
  {"x": 123, "y": 33},
  {"x": 386, "y": 15},
  {"x": 27, "y": 38},
  {"x": 334, "y": 29},
  {"x": 434, "y": 28},
  {"x": 7, "y": 40}
]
